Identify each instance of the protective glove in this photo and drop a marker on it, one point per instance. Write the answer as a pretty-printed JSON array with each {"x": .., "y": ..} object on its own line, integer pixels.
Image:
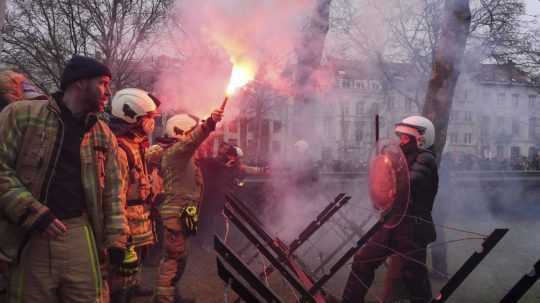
[
  {"x": 190, "y": 219},
  {"x": 130, "y": 263}
]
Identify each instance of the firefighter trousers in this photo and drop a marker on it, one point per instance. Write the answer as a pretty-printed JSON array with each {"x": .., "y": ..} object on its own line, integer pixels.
[
  {"x": 409, "y": 262},
  {"x": 173, "y": 261},
  {"x": 65, "y": 269}
]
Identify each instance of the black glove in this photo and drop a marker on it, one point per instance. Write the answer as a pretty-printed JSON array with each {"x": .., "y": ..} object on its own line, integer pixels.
[
  {"x": 190, "y": 220},
  {"x": 43, "y": 222},
  {"x": 116, "y": 255}
]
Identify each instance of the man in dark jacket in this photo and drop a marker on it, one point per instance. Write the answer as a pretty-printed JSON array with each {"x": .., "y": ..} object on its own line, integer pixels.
[
  {"x": 222, "y": 174},
  {"x": 408, "y": 239}
]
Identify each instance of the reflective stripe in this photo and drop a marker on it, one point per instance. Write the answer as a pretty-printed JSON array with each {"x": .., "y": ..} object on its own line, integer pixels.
[{"x": 93, "y": 260}]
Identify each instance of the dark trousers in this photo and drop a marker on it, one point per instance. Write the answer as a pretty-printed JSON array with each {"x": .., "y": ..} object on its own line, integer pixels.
[{"x": 409, "y": 262}]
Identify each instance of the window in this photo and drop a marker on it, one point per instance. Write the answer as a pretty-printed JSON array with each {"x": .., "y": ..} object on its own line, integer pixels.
[
  {"x": 454, "y": 115},
  {"x": 359, "y": 131},
  {"x": 533, "y": 121},
  {"x": 467, "y": 116},
  {"x": 359, "y": 107},
  {"x": 484, "y": 127},
  {"x": 515, "y": 126},
  {"x": 500, "y": 98},
  {"x": 453, "y": 138},
  {"x": 532, "y": 101},
  {"x": 327, "y": 122},
  {"x": 347, "y": 83},
  {"x": 467, "y": 139},
  {"x": 344, "y": 108},
  {"x": 345, "y": 128},
  {"x": 515, "y": 101},
  {"x": 277, "y": 127}
]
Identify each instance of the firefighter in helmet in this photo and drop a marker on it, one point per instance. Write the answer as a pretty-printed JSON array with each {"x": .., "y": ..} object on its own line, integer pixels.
[
  {"x": 133, "y": 113},
  {"x": 183, "y": 190},
  {"x": 408, "y": 239}
]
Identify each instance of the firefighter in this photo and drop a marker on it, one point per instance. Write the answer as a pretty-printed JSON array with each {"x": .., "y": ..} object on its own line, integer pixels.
[
  {"x": 60, "y": 189},
  {"x": 133, "y": 113},
  {"x": 222, "y": 174},
  {"x": 409, "y": 239},
  {"x": 183, "y": 189},
  {"x": 14, "y": 87}
]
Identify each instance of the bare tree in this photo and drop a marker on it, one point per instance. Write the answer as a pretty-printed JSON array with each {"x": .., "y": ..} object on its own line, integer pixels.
[
  {"x": 41, "y": 35},
  {"x": 447, "y": 59},
  {"x": 409, "y": 31}
]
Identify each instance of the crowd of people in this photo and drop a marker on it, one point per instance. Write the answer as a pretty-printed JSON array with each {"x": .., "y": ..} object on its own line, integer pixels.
[{"x": 84, "y": 196}]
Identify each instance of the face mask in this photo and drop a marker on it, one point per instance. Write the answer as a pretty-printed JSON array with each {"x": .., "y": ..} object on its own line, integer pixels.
[
  {"x": 409, "y": 147},
  {"x": 148, "y": 126}
]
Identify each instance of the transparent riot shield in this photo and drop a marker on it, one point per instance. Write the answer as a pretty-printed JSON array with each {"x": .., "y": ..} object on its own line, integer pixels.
[{"x": 389, "y": 183}]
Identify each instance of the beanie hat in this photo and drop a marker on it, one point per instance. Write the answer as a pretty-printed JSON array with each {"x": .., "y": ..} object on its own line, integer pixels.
[{"x": 80, "y": 67}]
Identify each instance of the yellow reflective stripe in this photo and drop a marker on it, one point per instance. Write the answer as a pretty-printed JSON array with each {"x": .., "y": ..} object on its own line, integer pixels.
[
  {"x": 93, "y": 260},
  {"x": 19, "y": 292}
]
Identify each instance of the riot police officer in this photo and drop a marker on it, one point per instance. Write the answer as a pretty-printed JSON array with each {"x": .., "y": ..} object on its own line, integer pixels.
[{"x": 408, "y": 239}]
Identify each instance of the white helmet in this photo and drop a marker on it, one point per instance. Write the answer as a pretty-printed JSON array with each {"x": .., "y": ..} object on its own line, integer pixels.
[
  {"x": 419, "y": 127},
  {"x": 177, "y": 125},
  {"x": 131, "y": 103},
  {"x": 301, "y": 146}
]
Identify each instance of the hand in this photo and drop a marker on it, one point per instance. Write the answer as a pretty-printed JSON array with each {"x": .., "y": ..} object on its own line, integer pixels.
[
  {"x": 230, "y": 163},
  {"x": 217, "y": 115},
  {"x": 55, "y": 229}
]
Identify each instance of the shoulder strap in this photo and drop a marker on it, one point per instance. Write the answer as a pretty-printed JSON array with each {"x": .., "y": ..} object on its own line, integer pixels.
[{"x": 129, "y": 154}]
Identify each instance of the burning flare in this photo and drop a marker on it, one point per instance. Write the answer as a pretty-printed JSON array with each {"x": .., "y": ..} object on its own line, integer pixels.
[{"x": 241, "y": 74}]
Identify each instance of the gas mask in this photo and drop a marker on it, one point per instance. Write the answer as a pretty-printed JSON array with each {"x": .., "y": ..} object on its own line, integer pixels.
[{"x": 148, "y": 125}]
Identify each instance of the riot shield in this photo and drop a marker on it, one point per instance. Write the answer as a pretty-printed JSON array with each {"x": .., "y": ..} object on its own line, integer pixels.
[{"x": 389, "y": 183}]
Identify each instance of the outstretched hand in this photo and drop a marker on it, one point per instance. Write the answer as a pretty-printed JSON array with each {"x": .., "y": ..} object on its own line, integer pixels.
[{"x": 217, "y": 115}]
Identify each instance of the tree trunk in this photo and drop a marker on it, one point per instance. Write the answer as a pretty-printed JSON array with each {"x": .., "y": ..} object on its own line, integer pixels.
[
  {"x": 309, "y": 54},
  {"x": 2, "y": 15},
  {"x": 446, "y": 66},
  {"x": 311, "y": 48}
]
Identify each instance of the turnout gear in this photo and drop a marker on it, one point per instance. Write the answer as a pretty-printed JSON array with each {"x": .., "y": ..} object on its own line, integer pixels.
[
  {"x": 420, "y": 128},
  {"x": 32, "y": 133},
  {"x": 408, "y": 240},
  {"x": 181, "y": 124},
  {"x": 132, "y": 110},
  {"x": 183, "y": 189},
  {"x": 131, "y": 103}
]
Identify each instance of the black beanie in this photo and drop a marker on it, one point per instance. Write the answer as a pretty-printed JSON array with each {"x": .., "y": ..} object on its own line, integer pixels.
[{"x": 79, "y": 67}]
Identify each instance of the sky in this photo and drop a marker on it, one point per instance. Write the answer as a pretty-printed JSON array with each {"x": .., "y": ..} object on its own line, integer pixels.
[{"x": 533, "y": 7}]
